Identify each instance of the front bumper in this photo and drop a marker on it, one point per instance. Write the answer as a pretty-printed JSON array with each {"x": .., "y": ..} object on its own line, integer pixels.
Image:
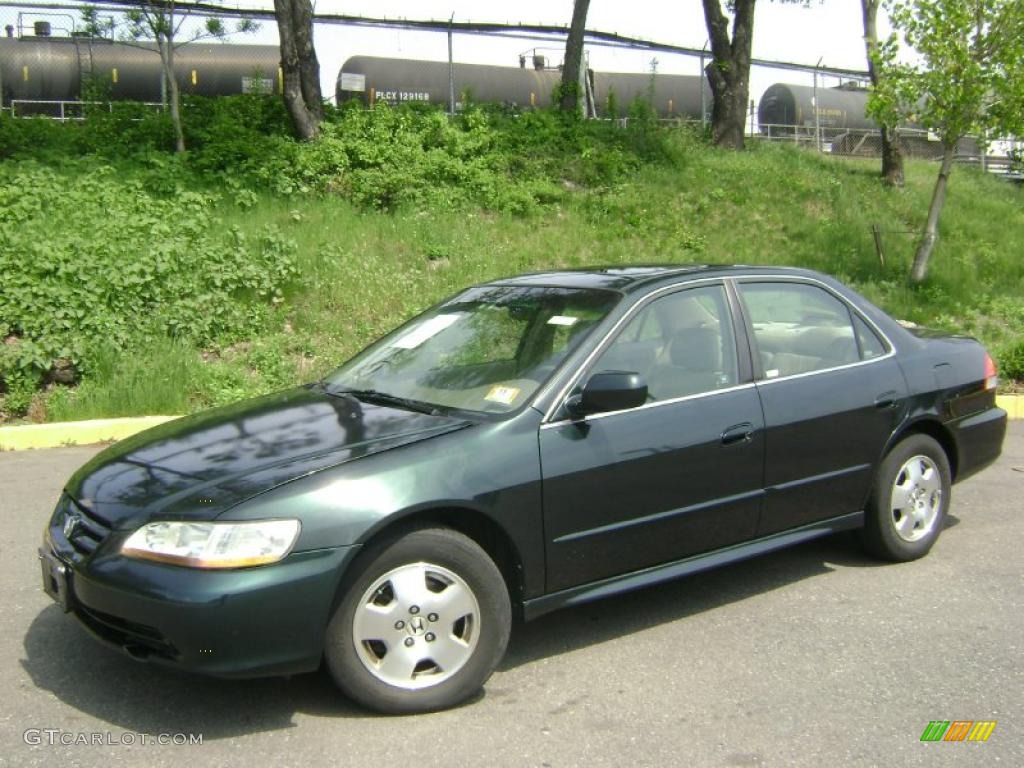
[{"x": 247, "y": 622}]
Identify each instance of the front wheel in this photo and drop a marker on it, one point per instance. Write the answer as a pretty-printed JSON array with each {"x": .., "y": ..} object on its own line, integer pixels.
[
  {"x": 907, "y": 508},
  {"x": 422, "y": 625}
]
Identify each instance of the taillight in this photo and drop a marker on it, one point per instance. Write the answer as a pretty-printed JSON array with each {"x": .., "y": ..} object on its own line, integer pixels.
[{"x": 991, "y": 375}]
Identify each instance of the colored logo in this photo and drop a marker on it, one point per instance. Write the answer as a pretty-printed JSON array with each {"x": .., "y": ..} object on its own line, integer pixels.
[{"x": 958, "y": 730}]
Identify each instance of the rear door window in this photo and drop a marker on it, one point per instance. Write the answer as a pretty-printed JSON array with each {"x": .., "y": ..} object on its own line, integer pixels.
[{"x": 799, "y": 328}]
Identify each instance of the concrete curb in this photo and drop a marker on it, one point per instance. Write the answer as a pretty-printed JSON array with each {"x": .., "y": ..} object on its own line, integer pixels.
[
  {"x": 74, "y": 432},
  {"x": 108, "y": 430},
  {"x": 1012, "y": 404}
]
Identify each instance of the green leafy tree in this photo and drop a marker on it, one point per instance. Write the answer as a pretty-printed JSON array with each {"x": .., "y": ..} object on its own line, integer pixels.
[
  {"x": 967, "y": 79},
  {"x": 161, "y": 21}
]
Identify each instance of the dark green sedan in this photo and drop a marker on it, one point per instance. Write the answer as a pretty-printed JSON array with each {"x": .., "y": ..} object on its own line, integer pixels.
[{"x": 528, "y": 444}]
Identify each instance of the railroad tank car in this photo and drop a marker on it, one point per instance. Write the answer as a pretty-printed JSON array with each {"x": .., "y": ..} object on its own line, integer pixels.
[
  {"x": 842, "y": 120},
  {"x": 842, "y": 108},
  {"x": 55, "y": 69},
  {"x": 371, "y": 79}
]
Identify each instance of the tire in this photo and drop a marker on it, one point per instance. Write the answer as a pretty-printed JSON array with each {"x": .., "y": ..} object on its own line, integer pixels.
[
  {"x": 907, "y": 508},
  {"x": 421, "y": 625}
]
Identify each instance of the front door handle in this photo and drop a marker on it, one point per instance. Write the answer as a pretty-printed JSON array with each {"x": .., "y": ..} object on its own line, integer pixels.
[{"x": 740, "y": 433}]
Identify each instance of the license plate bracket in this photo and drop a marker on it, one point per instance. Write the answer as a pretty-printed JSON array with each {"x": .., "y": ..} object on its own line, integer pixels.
[{"x": 57, "y": 580}]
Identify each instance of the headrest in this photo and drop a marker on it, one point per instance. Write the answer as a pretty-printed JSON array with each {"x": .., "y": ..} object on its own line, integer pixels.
[
  {"x": 826, "y": 342},
  {"x": 696, "y": 349}
]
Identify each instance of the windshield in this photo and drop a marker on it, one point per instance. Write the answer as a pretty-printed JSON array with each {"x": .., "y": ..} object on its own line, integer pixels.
[{"x": 488, "y": 349}]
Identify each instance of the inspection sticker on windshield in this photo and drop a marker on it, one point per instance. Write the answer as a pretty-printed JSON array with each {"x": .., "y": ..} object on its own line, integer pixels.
[
  {"x": 425, "y": 331},
  {"x": 563, "y": 320},
  {"x": 503, "y": 395}
]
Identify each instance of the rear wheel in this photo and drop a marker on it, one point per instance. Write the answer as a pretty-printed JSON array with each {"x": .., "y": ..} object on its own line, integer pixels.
[
  {"x": 907, "y": 508},
  {"x": 423, "y": 624}
]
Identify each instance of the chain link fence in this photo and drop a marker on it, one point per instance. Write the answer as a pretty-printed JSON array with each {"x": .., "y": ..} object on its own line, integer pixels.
[
  {"x": 49, "y": 66},
  {"x": 867, "y": 142}
]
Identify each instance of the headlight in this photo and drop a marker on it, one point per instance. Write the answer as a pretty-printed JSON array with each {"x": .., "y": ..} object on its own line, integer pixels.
[{"x": 213, "y": 545}]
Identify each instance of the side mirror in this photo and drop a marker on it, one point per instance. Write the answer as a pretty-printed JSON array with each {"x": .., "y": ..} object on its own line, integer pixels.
[{"x": 609, "y": 391}]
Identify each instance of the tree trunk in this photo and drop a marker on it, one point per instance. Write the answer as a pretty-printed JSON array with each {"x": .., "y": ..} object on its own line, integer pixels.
[
  {"x": 173, "y": 92},
  {"x": 729, "y": 70},
  {"x": 299, "y": 66},
  {"x": 931, "y": 231},
  {"x": 571, "y": 99},
  {"x": 892, "y": 157},
  {"x": 309, "y": 66}
]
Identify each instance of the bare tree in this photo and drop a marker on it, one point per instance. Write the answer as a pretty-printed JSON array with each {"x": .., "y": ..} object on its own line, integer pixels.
[
  {"x": 161, "y": 21},
  {"x": 572, "y": 69},
  {"x": 299, "y": 66},
  {"x": 892, "y": 157},
  {"x": 729, "y": 70}
]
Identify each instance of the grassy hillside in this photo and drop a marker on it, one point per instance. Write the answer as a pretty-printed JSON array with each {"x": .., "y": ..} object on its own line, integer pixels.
[{"x": 197, "y": 283}]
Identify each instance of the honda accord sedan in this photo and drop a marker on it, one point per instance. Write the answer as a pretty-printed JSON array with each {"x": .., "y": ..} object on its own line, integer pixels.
[{"x": 527, "y": 444}]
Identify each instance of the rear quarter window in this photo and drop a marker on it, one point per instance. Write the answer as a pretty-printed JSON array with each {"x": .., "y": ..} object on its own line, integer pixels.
[{"x": 871, "y": 345}]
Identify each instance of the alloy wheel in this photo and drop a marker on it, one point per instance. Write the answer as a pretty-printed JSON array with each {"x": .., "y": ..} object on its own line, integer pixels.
[
  {"x": 416, "y": 625},
  {"x": 916, "y": 498}
]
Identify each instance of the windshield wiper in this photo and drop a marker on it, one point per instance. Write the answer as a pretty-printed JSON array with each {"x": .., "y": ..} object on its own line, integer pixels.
[{"x": 376, "y": 396}]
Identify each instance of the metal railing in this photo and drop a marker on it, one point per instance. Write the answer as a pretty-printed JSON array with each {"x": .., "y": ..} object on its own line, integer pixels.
[
  {"x": 64, "y": 110},
  {"x": 914, "y": 142}
]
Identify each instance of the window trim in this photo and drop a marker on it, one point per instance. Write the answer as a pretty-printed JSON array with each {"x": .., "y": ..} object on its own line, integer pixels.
[
  {"x": 647, "y": 406},
  {"x": 744, "y": 374},
  {"x": 740, "y": 317}
]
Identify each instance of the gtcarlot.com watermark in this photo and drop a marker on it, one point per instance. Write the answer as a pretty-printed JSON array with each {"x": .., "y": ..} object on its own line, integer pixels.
[{"x": 52, "y": 737}]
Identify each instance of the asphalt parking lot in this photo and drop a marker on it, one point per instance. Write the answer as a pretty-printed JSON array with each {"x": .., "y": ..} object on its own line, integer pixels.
[{"x": 814, "y": 656}]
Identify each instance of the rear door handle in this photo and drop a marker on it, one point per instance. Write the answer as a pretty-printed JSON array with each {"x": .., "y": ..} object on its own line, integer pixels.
[
  {"x": 740, "y": 433},
  {"x": 886, "y": 400}
]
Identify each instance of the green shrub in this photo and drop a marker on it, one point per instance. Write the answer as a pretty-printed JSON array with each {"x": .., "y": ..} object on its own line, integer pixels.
[
  {"x": 91, "y": 258},
  {"x": 1011, "y": 361},
  {"x": 224, "y": 134},
  {"x": 382, "y": 158},
  {"x": 387, "y": 158},
  {"x": 126, "y": 130}
]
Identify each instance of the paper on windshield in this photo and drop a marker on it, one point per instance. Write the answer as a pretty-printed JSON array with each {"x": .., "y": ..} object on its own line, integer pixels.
[
  {"x": 424, "y": 331},
  {"x": 565, "y": 320},
  {"x": 503, "y": 394}
]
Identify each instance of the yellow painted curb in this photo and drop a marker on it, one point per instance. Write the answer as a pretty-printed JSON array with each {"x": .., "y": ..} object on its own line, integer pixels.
[
  {"x": 74, "y": 432},
  {"x": 1012, "y": 404}
]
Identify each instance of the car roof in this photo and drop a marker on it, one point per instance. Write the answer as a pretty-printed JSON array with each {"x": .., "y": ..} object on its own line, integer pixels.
[{"x": 629, "y": 278}]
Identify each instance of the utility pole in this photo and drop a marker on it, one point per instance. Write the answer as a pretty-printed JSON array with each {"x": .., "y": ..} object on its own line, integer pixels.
[
  {"x": 451, "y": 68},
  {"x": 817, "y": 111},
  {"x": 703, "y": 94}
]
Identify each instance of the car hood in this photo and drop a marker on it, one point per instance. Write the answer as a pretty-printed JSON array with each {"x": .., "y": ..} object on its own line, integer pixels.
[{"x": 199, "y": 466}]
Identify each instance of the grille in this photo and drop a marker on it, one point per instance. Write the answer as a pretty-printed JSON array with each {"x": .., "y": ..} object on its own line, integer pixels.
[{"x": 89, "y": 529}]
